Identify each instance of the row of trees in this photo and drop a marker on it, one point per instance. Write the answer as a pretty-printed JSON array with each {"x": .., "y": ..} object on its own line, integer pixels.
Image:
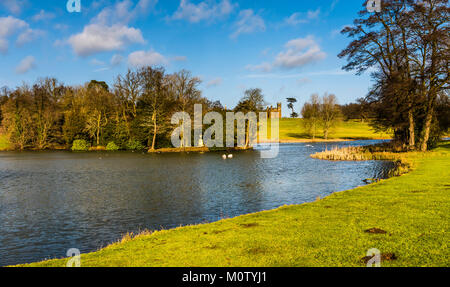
[
  {"x": 134, "y": 113},
  {"x": 406, "y": 45}
]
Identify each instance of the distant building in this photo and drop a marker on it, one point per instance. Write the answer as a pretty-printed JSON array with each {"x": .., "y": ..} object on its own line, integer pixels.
[{"x": 271, "y": 112}]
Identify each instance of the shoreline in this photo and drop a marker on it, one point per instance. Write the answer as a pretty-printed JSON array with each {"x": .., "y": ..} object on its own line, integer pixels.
[
  {"x": 325, "y": 221},
  {"x": 205, "y": 149}
]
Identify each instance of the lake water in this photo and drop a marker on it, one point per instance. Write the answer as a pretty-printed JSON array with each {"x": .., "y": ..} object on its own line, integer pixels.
[{"x": 53, "y": 201}]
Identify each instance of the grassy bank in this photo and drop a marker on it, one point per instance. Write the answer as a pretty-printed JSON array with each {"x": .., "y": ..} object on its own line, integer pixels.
[
  {"x": 405, "y": 217},
  {"x": 293, "y": 130}
]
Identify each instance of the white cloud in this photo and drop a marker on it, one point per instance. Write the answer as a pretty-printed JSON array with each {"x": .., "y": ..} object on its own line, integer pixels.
[
  {"x": 264, "y": 67},
  {"x": 14, "y": 6},
  {"x": 214, "y": 82},
  {"x": 96, "y": 62},
  {"x": 10, "y": 26},
  {"x": 116, "y": 60},
  {"x": 336, "y": 72},
  {"x": 28, "y": 35},
  {"x": 97, "y": 38},
  {"x": 247, "y": 23},
  {"x": 123, "y": 12},
  {"x": 298, "y": 53},
  {"x": 25, "y": 65},
  {"x": 206, "y": 10},
  {"x": 300, "y": 18},
  {"x": 42, "y": 16},
  {"x": 146, "y": 58}
]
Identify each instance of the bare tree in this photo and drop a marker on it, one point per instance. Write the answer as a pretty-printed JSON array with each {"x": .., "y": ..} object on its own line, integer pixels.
[
  {"x": 329, "y": 113},
  {"x": 311, "y": 115}
]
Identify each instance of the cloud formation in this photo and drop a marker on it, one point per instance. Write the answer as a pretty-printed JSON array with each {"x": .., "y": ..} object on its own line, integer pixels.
[
  {"x": 214, "y": 82},
  {"x": 10, "y": 26},
  {"x": 248, "y": 22},
  {"x": 25, "y": 65},
  {"x": 97, "y": 38},
  {"x": 122, "y": 12},
  {"x": 109, "y": 30},
  {"x": 203, "y": 11},
  {"x": 297, "y": 53},
  {"x": 43, "y": 15},
  {"x": 13, "y": 6},
  {"x": 146, "y": 58},
  {"x": 300, "y": 18}
]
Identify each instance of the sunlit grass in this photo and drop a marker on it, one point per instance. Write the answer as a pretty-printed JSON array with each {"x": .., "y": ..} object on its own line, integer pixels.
[
  {"x": 413, "y": 210},
  {"x": 293, "y": 129}
]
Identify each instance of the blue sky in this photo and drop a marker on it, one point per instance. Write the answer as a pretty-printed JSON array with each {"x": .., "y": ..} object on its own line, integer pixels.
[{"x": 287, "y": 48}]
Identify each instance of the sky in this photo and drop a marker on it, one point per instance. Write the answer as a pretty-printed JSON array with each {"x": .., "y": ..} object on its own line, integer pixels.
[{"x": 287, "y": 48}]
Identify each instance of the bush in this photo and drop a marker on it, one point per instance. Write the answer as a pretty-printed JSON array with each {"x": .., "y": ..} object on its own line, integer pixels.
[
  {"x": 112, "y": 147},
  {"x": 80, "y": 145},
  {"x": 134, "y": 145}
]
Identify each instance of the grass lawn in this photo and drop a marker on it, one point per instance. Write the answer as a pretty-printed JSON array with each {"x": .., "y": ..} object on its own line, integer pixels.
[
  {"x": 412, "y": 209},
  {"x": 4, "y": 143},
  {"x": 293, "y": 129}
]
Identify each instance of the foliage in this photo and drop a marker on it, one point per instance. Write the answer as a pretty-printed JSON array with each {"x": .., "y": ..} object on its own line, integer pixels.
[
  {"x": 407, "y": 47},
  {"x": 111, "y": 146},
  {"x": 138, "y": 107},
  {"x": 291, "y": 102},
  {"x": 80, "y": 145},
  {"x": 135, "y": 145}
]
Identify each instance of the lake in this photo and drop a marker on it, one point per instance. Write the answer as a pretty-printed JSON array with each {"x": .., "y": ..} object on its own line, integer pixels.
[{"x": 53, "y": 201}]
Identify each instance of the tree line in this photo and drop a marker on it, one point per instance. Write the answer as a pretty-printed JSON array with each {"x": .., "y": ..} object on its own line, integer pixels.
[
  {"x": 406, "y": 48},
  {"x": 135, "y": 113}
]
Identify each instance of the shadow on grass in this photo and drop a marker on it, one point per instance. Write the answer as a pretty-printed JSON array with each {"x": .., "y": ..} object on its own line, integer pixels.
[{"x": 300, "y": 135}]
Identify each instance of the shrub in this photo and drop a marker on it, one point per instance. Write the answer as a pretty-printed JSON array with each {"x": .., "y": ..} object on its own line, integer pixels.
[
  {"x": 134, "y": 145},
  {"x": 112, "y": 147},
  {"x": 80, "y": 145}
]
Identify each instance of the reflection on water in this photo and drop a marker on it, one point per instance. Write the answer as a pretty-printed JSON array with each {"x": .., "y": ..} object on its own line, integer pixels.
[{"x": 53, "y": 201}]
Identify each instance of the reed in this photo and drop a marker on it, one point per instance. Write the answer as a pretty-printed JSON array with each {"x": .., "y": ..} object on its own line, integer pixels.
[{"x": 375, "y": 152}]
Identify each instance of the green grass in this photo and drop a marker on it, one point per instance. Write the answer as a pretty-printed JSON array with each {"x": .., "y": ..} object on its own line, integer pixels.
[
  {"x": 413, "y": 210},
  {"x": 4, "y": 143},
  {"x": 293, "y": 129}
]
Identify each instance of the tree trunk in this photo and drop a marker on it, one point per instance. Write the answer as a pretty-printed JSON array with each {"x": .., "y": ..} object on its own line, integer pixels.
[
  {"x": 426, "y": 131},
  {"x": 247, "y": 136},
  {"x": 154, "y": 131},
  {"x": 412, "y": 139},
  {"x": 98, "y": 129}
]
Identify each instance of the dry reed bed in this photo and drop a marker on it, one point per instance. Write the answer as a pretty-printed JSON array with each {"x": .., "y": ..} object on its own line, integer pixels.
[{"x": 376, "y": 152}]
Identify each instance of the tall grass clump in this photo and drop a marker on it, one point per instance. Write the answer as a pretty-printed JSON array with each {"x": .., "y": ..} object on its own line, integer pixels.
[{"x": 375, "y": 152}]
